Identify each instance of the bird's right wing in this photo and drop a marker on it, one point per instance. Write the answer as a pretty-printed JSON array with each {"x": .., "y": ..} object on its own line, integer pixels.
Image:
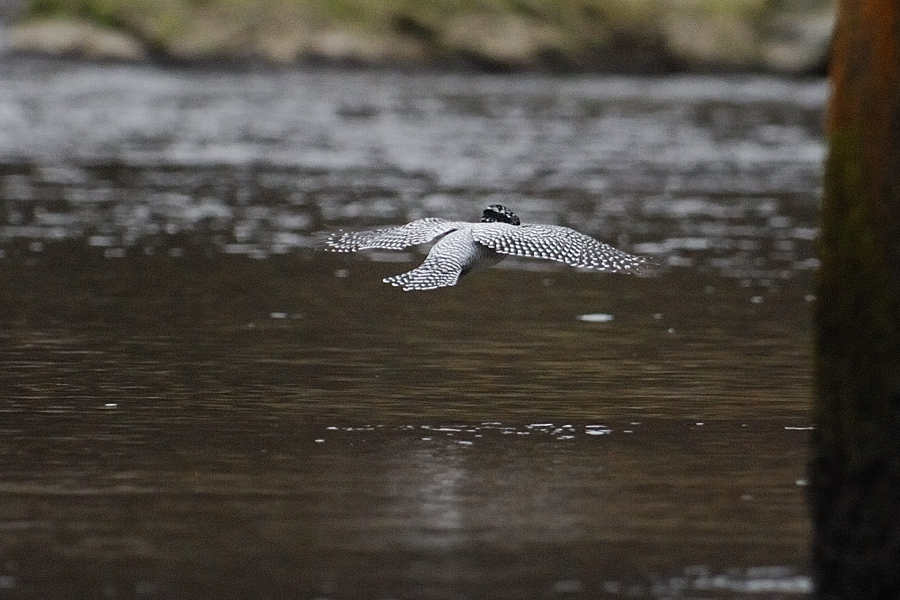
[
  {"x": 554, "y": 242},
  {"x": 391, "y": 238}
]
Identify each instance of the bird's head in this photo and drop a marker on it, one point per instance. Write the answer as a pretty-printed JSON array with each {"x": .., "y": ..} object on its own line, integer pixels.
[{"x": 497, "y": 213}]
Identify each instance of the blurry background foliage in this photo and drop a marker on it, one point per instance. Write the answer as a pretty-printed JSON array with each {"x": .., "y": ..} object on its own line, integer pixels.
[{"x": 641, "y": 35}]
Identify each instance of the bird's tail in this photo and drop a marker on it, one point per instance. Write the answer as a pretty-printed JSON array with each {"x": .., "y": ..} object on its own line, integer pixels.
[{"x": 424, "y": 277}]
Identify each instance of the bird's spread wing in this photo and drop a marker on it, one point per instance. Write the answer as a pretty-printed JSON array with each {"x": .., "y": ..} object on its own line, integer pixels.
[
  {"x": 555, "y": 243},
  {"x": 438, "y": 270},
  {"x": 391, "y": 238}
]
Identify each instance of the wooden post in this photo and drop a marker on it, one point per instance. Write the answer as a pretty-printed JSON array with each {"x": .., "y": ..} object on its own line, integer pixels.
[{"x": 855, "y": 470}]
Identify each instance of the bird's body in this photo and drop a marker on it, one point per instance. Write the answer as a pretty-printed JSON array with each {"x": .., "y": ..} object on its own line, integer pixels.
[{"x": 463, "y": 247}]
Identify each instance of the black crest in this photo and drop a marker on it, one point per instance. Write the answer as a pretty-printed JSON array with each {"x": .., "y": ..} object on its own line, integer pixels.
[{"x": 497, "y": 213}]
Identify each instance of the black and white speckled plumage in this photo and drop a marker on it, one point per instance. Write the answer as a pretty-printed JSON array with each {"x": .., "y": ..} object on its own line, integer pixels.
[{"x": 463, "y": 246}]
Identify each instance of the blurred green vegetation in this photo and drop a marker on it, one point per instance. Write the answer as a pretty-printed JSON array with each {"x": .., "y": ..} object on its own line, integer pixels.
[
  {"x": 493, "y": 32},
  {"x": 570, "y": 14}
]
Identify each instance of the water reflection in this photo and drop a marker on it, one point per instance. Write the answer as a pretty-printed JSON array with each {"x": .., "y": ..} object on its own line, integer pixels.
[
  {"x": 198, "y": 402},
  {"x": 388, "y": 512}
]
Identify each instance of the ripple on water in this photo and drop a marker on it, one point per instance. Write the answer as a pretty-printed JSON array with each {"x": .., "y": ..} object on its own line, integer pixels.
[{"x": 687, "y": 168}]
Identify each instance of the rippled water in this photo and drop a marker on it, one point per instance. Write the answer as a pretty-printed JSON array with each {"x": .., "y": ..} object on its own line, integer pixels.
[{"x": 199, "y": 402}]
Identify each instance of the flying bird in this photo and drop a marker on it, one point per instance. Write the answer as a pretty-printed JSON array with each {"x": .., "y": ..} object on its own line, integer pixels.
[{"x": 463, "y": 247}]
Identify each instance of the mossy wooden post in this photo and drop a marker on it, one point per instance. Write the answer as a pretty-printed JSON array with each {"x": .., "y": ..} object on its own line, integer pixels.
[{"x": 855, "y": 470}]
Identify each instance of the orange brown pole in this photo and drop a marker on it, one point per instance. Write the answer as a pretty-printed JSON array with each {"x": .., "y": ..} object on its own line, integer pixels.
[{"x": 855, "y": 470}]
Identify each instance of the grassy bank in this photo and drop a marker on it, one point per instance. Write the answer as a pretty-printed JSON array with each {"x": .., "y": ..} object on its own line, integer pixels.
[{"x": 622, "y": 35}]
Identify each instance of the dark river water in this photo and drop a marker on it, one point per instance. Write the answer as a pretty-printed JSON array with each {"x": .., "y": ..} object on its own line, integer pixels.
[{"x": 199, "y": 402}]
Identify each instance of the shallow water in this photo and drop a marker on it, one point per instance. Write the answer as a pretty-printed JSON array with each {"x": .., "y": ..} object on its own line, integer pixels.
[{"x": 199, "y": 402}]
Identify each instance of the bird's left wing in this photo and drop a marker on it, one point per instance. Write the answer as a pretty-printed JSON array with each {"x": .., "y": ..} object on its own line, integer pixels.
[
  {"x": 555, "y": 243},
  {"x": 391, "y": 238}
]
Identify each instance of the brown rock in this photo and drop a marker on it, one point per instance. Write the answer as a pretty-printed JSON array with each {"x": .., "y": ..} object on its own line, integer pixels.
[{"x": 74, "y": 37}]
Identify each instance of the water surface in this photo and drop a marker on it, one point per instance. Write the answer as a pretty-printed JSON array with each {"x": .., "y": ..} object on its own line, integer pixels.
[{"x": 199, "y": 402}]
